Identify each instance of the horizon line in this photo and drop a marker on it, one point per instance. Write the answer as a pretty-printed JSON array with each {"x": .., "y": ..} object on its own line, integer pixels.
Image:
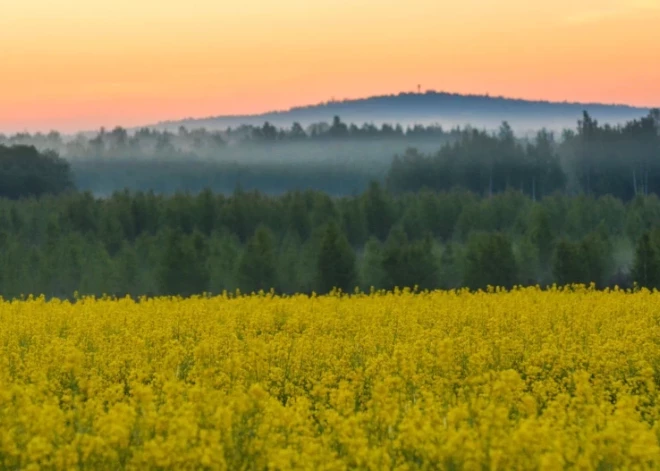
[{"x": 333, "y": 101}]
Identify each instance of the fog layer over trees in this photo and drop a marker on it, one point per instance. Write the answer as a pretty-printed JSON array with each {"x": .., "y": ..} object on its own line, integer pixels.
[
  {"x": 341, "y": 159},
  {"x": 474, "y": 209}
]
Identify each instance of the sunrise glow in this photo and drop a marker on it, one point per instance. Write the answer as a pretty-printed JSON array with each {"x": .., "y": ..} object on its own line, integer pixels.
[{"x": 78, "y": 65}]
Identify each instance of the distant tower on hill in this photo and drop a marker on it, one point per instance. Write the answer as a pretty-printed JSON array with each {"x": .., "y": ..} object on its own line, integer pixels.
[{"x": 419, "y": 89}]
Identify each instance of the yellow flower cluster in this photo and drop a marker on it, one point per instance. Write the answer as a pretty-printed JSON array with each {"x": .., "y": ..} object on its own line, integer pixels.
[{"x": 527, "y": 379}]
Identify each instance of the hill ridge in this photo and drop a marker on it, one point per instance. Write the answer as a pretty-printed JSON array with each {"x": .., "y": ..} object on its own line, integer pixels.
[{"x": 424, "y": 106}]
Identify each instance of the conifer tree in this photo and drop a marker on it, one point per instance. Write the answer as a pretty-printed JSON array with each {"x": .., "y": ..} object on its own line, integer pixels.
[
  {"x": 568, "y": 264},
  {"x": 372, "y": 273},
  {"x": 646, "y": 268},
  {"x": 449, "y": 274},
  {"x": 490, "y": 261},
  {"x": 182, "y": 269},
  {"x": 256, "y": 267},
  {"x": 408, "y": 264},
  {"x": 336, "y": 261}
]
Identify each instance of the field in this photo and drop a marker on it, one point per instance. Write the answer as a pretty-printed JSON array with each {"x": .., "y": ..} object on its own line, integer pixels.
[{"x": 444, "y": 380}]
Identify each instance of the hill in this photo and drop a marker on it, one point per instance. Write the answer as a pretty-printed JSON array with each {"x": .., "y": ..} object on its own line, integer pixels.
[{"x": 447, "y": 109}]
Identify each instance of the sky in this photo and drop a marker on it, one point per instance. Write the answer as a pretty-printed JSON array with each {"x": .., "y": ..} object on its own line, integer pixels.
[{"x": 75, "y": 65}]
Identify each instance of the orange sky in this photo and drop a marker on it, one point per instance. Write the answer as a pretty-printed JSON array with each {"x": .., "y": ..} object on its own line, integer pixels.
[{"x": 80, "y": 64}]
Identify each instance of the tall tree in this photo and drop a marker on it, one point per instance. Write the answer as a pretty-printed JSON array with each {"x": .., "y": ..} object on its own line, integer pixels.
[
  {"x": 256, "y": 268},
  {"x": 336, "y": 261},
  {"x": 489, "y": 260},
  {"x": 409, "y": 264},
  {"x": 372, "y": 273},
  {"x": 595, "y": 255},
  {"x": 450, "y": 273},
  {"x": 646, "y": 268},
  {"x": 568, "y": 264},
  {"x": 182, "y": 270},
  {"x": 378, "y": 211},
  {"x": 541, "y": 233},
  {"x": 224, "y": 253}
]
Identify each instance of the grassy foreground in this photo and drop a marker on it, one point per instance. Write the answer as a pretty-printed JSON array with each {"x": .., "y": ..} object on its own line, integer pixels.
[{"x": 444, "y": 380}]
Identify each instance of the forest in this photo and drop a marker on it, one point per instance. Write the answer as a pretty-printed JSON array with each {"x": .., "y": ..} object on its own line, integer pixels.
[
  {"x": 342, "y": 159},
  {"x": 142, "y": 243},
  {"x": 337, "y": 158},
  {"x": 482, "y": 209}
]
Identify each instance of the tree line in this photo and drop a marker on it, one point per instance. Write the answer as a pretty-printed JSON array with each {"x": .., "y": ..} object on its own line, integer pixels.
[
  {"x": 622, "y": 161},
  {"x": 25, "y": 172},
  {"x": 139, "y": 243},
  {"x": 341, "y": 159},
  {"x": 186, "y": 143}
]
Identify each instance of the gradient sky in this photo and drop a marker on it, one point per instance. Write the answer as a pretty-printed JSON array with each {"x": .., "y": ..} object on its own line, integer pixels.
[{"x": 80, "y": 64}]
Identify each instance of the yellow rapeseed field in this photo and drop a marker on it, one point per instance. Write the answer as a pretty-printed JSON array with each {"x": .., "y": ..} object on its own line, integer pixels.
[{"x": 529, "y": 379}]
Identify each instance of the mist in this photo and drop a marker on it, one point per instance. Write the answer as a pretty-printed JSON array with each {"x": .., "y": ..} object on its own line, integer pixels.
[{"x": 340, "y": 156}]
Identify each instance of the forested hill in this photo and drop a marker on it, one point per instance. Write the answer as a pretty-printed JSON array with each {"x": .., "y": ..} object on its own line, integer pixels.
[{"x": 447, "y": 109}]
